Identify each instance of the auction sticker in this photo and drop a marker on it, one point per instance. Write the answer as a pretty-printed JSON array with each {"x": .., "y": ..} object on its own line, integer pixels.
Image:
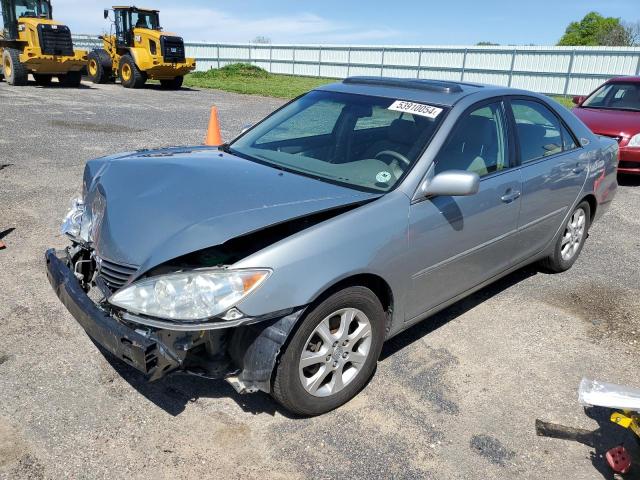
[{"x": 421, "y": 109}]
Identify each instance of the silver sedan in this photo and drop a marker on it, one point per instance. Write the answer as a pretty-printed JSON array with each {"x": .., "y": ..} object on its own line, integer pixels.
[{"x": 283, "y": 260}]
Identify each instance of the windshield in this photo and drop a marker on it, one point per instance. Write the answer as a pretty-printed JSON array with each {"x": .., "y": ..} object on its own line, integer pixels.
[
  {"x": 363, "y": 142},
  {"x": 32, "y": 8},
  {"x": 141, "y": 19},
  {"x": 615, "y": 96}
]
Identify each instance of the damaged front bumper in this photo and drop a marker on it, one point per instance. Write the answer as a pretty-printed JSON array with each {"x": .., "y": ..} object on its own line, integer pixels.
[{"x": 244, "y": 354}]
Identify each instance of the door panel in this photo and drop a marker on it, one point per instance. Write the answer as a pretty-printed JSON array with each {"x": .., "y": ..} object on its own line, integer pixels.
[
  {"x": 456, "y": 243},
  {"x": 553, "y": 173}
]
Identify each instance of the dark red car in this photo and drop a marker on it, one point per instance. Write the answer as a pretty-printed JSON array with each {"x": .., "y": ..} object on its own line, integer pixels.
[{"x": 613, "y": 110}]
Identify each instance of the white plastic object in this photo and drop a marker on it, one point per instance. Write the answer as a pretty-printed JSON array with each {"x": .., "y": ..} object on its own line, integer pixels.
[{"x": 609, "y": 395}]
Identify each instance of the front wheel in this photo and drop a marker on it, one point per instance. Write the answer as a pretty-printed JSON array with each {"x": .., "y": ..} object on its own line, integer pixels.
[
  {"x": 129, "y": 73},
  {"x": 14, "y": 71},
  {"x": 570, "y": 243},
  {"x": 332, "y": 354},
  {"x": 100, "y": 66}
]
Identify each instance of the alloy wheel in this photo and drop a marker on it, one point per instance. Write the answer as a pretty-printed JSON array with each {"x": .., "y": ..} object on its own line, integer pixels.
[
  {"x": 335, "y": 352},
  {"x": 573, "y": 235}
]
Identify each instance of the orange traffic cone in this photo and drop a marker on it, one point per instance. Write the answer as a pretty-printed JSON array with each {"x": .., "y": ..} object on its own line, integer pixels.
[{"x": 214, "y": 137}]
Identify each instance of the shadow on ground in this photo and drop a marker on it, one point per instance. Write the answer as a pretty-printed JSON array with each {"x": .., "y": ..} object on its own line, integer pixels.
[
  {"x": 629, "y": 180},
  {"x": 174, "y": 392}
]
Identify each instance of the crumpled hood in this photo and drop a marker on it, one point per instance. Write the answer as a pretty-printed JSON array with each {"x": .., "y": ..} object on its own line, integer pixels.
[{"x": 152, "y": 206}]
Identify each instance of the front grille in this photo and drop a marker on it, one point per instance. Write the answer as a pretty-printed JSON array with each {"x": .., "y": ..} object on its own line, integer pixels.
[
  {"x": 55, "y": 40},
  {"x": 114, "y": 274},
  {"x": 172, "y": 49}
]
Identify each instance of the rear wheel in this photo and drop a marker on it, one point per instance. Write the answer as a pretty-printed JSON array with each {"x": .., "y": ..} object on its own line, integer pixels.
[
  {"x": 333, "y": 354},
  {"x": 172, "y": 84},
  {"x": 71, "y": 79},
  {"x": 100, "y": 66},
  {"x": 570, "y": 243},
  {"x": 130, "y": 74},
  {"x": 42, "y": 80},
  {"x": 14, "y": 71}
]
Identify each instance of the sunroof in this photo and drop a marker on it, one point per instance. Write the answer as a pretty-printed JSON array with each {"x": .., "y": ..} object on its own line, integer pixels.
[{"x": 419, "y": 84}]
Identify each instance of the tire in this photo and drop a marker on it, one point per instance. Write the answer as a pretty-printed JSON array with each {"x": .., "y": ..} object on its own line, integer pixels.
[
  {"x": 14, "y": 71},
  {"x": 100, "y": 66},
  {"x": 329, "y": 353},
  {"x": 172, "y": 84},
  {"x": 570, "y": 242},
  {"x": 42, "y": 80},
  {"x": 70, "y": 79},
  {"x": 130, "y": 75}
]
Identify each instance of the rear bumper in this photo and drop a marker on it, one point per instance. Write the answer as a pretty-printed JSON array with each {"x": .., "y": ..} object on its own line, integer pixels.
[
  {"x": 629, "y": 160},
  {"x": 143, "y": 352},
  {"x": 36, "y": 62}
]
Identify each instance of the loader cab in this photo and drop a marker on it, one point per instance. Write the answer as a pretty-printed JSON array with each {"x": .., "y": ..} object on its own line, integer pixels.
[
  {"x": 126, "y": 19},
  {"x": 12, "y": 10}
]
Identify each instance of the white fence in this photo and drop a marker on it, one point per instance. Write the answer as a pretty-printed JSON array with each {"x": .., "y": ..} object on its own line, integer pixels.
[{"x": 553, "y": 70}]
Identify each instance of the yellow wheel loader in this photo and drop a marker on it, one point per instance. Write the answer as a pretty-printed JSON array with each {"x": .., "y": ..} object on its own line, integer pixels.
[
  {"x": 139, "y": 50},
  {"x": 31, "y": 42}
]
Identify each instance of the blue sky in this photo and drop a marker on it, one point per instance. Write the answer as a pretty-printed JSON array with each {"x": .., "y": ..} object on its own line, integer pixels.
[{"x": 413, "y": 22}]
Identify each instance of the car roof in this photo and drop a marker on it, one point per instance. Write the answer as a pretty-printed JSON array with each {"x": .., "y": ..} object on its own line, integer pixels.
[
  {"x": 438, "y": 92},
  {"x": 624, "y": 79}
]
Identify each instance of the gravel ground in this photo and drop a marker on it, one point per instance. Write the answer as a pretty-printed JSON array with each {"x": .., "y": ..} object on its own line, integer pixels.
[{"x": 454, "y": 397}]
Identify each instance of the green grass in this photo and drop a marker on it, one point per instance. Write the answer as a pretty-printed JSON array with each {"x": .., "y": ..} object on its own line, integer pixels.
[
  {"x": 252, "y": 80},
  {"x": 566, "y": 101}
]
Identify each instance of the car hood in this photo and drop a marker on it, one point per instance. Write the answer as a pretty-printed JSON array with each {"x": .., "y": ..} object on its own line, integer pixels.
[
  {"x": 614, "y": 123},
  {"x": 149, "y": 207}
]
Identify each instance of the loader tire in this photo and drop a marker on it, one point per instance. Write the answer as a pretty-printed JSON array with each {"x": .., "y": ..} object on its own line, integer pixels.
[
  {"x": 172, "y": 84},
  {"x": 129, "y": 73},
  {"x": 70, "y": 79},
  {"x": 100, "y": 67},
  {"x": 42, "y": 80},
  {"x": 14, "y": 71}
]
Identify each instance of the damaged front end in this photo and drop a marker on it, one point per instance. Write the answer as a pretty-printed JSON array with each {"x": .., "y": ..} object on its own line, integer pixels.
[{"x": 243, "y": 351}]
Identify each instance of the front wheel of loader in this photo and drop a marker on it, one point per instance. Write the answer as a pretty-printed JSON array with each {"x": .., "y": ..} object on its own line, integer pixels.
[
  {"x": 70, "y": 79},
  {"x": 129, "y": 73},
  {"x": 100, "y": 67},
  {"x": 42, "y": 80},
  {"x": 172, "y": 84},
  {"x": 14, "y": 71}
]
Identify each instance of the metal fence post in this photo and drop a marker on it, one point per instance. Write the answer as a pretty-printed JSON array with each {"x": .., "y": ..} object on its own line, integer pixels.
[
  {"x": 419, "y": 63},
  {"x": 569, "y": 72},
  {"x": 513, "y": 63},
  {"x": 270, "y": 58},
  {"x": 464, "y": 64},
  {"x": 319, "y": 61},
  {"x": 638, "y": 67},
  {"x": 382, "y": 63},
  {"x": 218, "y": 55},
  {"x": 293, "y": 63},
  {"x": 349, "y": 61}
]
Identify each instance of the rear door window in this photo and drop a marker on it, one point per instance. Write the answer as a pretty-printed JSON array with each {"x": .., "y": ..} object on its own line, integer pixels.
[{"x": 539, "y": 131}]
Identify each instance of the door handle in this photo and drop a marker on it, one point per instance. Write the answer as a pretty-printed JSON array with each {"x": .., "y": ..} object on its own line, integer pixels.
[
  {"x": 579, "y": 168},
  {"x": 510, "y": 196}
]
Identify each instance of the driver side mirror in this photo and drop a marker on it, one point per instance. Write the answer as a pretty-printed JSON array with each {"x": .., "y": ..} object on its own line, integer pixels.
[
  {"x": 452, "y": 183},
  {"x": 106, "y": 13},
  {"x": 578, "y": 99}
]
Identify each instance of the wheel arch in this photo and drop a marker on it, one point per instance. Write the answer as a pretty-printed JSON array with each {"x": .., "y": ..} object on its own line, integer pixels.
[{"x": 593, "y": 205}]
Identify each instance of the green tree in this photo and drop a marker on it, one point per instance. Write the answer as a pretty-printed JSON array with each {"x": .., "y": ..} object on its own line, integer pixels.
[{"x": 594, "y": 30}]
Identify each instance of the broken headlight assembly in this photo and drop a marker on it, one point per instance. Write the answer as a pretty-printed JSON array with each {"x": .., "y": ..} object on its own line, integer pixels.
[
  {"x": 189, "y": 296},
  {"x": 77, "y": 223}
]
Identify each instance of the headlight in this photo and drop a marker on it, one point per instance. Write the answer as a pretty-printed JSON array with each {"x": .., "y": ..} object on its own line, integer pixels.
[
  {"x": 189, "y": 296},
  {"x": 635, "y": 141}
]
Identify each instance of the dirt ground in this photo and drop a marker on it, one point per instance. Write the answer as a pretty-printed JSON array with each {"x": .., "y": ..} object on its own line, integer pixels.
[{"x": 454, "y": 397}]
